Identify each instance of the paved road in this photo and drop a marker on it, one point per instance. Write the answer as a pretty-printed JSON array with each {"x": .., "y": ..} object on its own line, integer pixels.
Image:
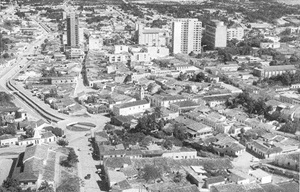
[
  {"x": 86, "y": 165},
  {"x": 10, "y": 71},
  {"x": 243, "y": 162}
]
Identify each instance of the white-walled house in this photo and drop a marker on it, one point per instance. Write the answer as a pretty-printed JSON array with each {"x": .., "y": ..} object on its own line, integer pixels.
[
  {"x": 131, "y": 108},
  {"x": 183, "y": 153},
  {"x": 8, "y": 140}
]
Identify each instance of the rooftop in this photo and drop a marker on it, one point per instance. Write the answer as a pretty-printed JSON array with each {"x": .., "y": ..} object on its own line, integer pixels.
[
  {"x": 186, "y": 104},
  {"x": 213, "y": 180},
  {"x": 132, "y": 104}
]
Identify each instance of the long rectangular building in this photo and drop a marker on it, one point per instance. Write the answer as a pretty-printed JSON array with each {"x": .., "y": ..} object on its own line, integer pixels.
[{"x": 267, "y": 72}]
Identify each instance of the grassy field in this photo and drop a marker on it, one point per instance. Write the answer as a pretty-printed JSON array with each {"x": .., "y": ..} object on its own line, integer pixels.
[{"x": 77, "y": 128}]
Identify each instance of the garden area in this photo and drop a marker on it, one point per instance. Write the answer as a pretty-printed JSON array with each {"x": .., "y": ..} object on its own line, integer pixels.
[{"x": 69, "y": 180}]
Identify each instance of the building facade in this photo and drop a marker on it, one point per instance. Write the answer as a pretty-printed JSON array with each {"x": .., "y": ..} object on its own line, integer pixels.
[
  {"x": 131, "y": 108},
  {"x": 72, "y": 30},
  {"x": 235, "y": 32},
  {"x": 216, "y": 34},
  {"x": 155, "y": 37},
  {"x": 187, "y": 35},
  {"x": 267, "y": 72}
]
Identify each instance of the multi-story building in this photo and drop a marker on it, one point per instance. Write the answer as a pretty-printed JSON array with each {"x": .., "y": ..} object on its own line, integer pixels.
[
  {"x": 155, "y": 37},
  {"x": 267, "y": 72},
  {"x": 235, "y": 32},
  {"x": 187, "y": 35},
  {"x": 72, "y": 30},
  {"x": 216, "y": 34},
  {"x": 131, "y": 108},
  {"x": 166, "y": 100}
]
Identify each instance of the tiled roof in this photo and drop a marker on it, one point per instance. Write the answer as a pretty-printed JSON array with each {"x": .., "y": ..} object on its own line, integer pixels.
[
  {"x": 186, "y": 104},
  {"x": 132, "y": 104},
  {"x": 228, "y": 188},
  {"x": 265, "y": 149},
  {"x": 40, "y": 122},
  {"x": 3, "y": 137},
  {"x": 116, "y": 162},
  {"x": 8, "y": 109},
  {"x": 280, "y": 68},
  {"x": 129, "y": 171},
  {"x": 37, "y": 151},
  {"x": 47, "y": 134},
  {"x": 192, "y": 188},
  {"x": 213, "y": 180}
]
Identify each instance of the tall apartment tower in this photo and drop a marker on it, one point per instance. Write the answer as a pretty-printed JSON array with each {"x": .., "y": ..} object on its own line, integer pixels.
[
  {"x": 216, "y": 34},
  {"x": 187, "y": 34},
  {"x": 72, "y": 30}
]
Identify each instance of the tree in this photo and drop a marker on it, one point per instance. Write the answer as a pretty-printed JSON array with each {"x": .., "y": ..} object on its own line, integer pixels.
[
  {"x": 72, "y": 157},
  {"x": 177, "y": 178},
  {"x": 182, "y": 77},
  {"x": 289, "y": 127},
  {"x": 62, "y": 142},
  {"x": 5, "y": 55},
  {"x": 158, "y": 112},
  {"x": 146, "y": 124},
  {"x": 168, "y": 144},
  {"x": 179, "y": 132},
  {"x": 58, "y": 132},
  {"x": 151, "y": 173},
  {"x": 11, "y": 184},
  {"x": 29, "y": 133},
  {"x": 45, "y": 187},
  {"x": 10, "y": 129}
]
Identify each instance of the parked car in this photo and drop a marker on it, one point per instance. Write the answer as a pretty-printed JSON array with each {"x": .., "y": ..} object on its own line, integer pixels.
[{"x": 88, "y": 176}]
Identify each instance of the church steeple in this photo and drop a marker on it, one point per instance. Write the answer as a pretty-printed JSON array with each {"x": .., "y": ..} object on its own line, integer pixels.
[{"x": 141, "y": 94}]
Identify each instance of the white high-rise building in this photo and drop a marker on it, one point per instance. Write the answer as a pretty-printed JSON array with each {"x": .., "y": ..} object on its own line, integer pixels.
[
  {"x": 187, "y": 35},
  {"x": 216, "y": 34}
]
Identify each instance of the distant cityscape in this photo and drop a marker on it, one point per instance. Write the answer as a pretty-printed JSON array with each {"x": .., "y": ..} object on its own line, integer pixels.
[{"x": 149, "y": 96}]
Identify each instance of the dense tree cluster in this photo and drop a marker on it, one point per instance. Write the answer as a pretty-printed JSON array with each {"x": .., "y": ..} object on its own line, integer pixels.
[
  {"x": 149, "y": 123},
  {"x": 285, "y": 39},
  {"x": 261, "y": 11},
  {"x": 54, "y": 14},
  {"x": 62, "y": 142},
  {"x": 4, "y": 44},
  {"x": 71, "y": 159},
  {"x": 158, "y": 23},
  {"x": 50, "y": 73},
  {"x": 151, "y": 173},
  {"x": 251, "y": 105},
  {"x": 290, "y": 127},
  {"x": 5, "y": 99},
  {"x": 97, "y": 19},
  {"x": 277, "y": 56},
  {"x": 12, "y": 185},
  {"x": 132, "y": 9},
  {"x": 10, "y": 129}
]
